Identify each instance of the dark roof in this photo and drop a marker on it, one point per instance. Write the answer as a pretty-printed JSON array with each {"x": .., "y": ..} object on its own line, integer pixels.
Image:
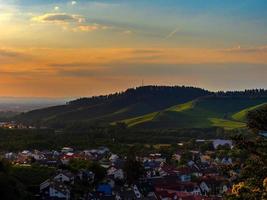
[{"x": 213, "y": 179}]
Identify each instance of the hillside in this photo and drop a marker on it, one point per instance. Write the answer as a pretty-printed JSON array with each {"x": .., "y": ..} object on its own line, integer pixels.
[
  {"x": 113, "y": 107},
  {"x": 200, "y": 113},
  {"x": 241, "y": 115},
  {"x": 159, "y": 107}
]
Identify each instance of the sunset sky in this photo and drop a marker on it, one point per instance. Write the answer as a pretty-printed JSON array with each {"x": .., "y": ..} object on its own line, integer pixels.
[{"x": 63, "y": 48}]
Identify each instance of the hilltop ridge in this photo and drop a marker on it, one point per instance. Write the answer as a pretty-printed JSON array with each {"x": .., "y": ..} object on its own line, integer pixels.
[{"x": 154, "y": 107}]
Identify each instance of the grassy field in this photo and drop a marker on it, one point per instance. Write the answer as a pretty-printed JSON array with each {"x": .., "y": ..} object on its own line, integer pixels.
[
  {"x": 227, "y": 124},
  {"x": 182, "y": 107},
  {"x": 139, "y": 120},
  {"x": 228, "y": 113},
  {"x": 241, "y": 115}
]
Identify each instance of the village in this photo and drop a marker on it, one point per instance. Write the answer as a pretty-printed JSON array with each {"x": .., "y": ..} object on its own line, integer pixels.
[{"x": 196, "y": 175}]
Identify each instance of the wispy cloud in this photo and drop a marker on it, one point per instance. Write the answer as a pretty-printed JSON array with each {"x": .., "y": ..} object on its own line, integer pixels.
[
  {"x": 58, "y": 18},
  {"x": 92, "y": 27},
  {"x": 73, "y": 3},
  {"x": 239, "y": 49},
  {"x": 9, "y": 53},
  {"x": 74, "y": 64},
  {"x": 77, "y": 23},
  {"x": 127, "y": 32},
  {"x": 172, "y": 33}
]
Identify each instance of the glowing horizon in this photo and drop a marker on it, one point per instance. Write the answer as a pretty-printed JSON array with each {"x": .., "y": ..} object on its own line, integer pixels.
[{"x": 62, "y": 48}]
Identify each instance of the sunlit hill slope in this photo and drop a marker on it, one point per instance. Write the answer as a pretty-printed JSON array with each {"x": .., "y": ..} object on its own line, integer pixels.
[{"x": 155, "y": 107}]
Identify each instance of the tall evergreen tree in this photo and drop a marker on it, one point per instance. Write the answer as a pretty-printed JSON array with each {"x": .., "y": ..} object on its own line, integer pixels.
[{"x": 133, "y": 168}]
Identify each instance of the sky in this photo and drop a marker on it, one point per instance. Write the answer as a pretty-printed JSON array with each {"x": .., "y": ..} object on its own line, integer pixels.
[{"x": 64, "y": 48}]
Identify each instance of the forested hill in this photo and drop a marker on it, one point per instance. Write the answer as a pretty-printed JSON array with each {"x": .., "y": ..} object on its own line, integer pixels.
[
  {"x": 152, "y": 106},
  {"x": 158, "y": 96}
]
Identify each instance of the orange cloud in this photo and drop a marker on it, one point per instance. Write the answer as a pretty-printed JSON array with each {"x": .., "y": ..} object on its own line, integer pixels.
[
  {"x": 89, "y": 28},
  {"x": 239, "y": 49},
  {"x": 78, "y": 72}
]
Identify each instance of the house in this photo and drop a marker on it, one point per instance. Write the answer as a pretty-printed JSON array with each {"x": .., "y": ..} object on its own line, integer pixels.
[
  {"x": 185, "y": 177},
  {"x": 103, "y": 151},
  {"x": 166, "y": 169},
  {"x": 26, "y": 153},
  {"x": 115, "y": 173},
  {"x": 37, "y": 155},
  {"x": 195, "y": 170},
  {"x": 184, "y": 174},
  {"x": 52, "y": 189},
  {"x": 227, "y": 161},
  {"x": 67, "y": 150},
  {"x": 97, "y": 154},
  {"x": 151, "y": 164},
  {"x": 105, "y": 189},
  {"x": 205, "y": 159},
  {"x": 263, "y": 133},
  {"x": 219, "y": 142},
  {"x": 57, "y": 187},
  {"x": 213, "y": 185},
  {"x": 113, "y": 158},
  {"x": 118, "y": 174},
  {"x": 88, "y": 155},
  {"x": 99, "y": 196},
  {"x": 86, "y": 175},
  {"x": 189, "y": 188},
  {"x": 68, "y": 156},
  {"x": 164, "y": 195},
  {"x": 157, "y": 157},
  {"x": 172, "y": 184},
  {"x": 10, "y": 156},
  {"x": 24, "y": 157},
  {"x": 64, "y": 177}
]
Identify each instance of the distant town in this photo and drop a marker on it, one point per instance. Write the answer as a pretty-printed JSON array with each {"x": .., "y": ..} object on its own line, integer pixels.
[
  {"x": 192, "y": 175},
  {"x": 15, "y": 125}
]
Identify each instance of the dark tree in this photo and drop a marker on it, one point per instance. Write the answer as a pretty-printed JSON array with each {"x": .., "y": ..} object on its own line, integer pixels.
[
  {"x": 10, "y": 187},
  {"x": 206, "y": 146},
  {"x": 252, "y": 183},
  {"x": 186, "y": 157},
  {"x": 257, "y": 119},
  {"x": 133, "y": 168}
]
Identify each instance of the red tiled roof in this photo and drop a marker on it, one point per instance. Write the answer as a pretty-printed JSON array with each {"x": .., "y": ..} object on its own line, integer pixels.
[
  {"x": 183, "y": 196},
  {"x": 213, "y": 179},
  {"x": 184, "y": 170},
  {"x": 169, "y": 169},
  {"x": 189, "y": 186}
]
